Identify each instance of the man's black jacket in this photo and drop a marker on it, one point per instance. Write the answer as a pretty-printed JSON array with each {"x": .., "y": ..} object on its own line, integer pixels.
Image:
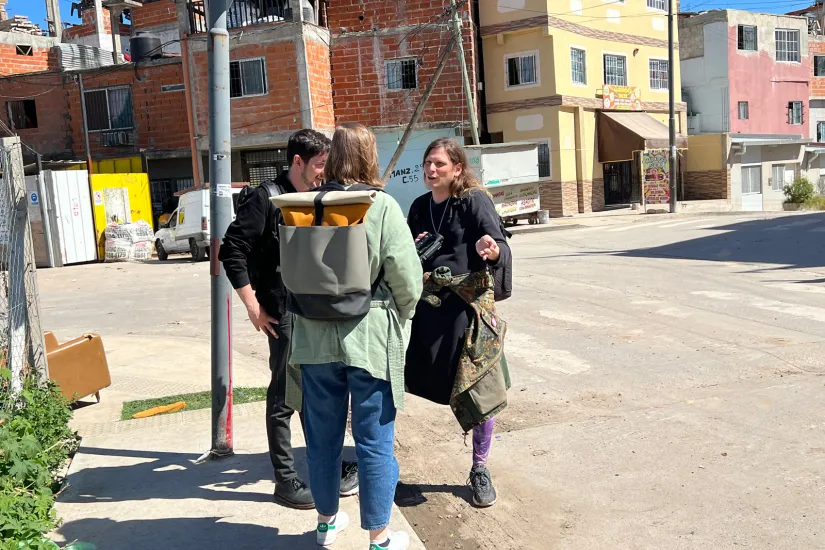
[{"x": 250, "y": 252}]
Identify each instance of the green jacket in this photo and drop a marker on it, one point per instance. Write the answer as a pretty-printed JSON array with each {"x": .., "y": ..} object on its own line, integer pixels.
[
  {"x": 377, "y": 342},
  {"x": 482, "y": 378}
]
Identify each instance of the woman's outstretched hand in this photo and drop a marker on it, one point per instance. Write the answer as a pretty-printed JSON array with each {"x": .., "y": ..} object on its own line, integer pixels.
[{"x": 488, "y": 249}]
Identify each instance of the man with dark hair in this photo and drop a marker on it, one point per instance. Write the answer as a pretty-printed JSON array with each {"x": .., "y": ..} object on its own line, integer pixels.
[{"x": 251, "y": 257}]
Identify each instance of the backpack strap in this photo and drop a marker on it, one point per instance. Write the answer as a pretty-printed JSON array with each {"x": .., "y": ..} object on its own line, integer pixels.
[{"x": 273, "y": 188}]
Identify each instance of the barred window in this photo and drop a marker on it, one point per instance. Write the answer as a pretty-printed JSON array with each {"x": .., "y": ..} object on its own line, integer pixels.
[
  {"x": 578, "y": 66},
  {"x": 657, "y": 4},
  {"x": 109, "y": 109},
  {"x": 615, "y": 70},
  {"x": 402, "y": 74},
  {"x": 658, "y": 74},
  {"x": 22, "y": 114}
]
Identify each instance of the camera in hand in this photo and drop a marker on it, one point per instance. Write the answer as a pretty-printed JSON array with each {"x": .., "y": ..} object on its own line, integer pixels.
[{"x": 428, "y": 246}]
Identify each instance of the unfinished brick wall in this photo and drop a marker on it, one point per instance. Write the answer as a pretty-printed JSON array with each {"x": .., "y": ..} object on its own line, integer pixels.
[
  {"x": 87, "y": 26},
  {"x": 277, "y": 110},
  {"x": 359, "y": 77},
  {"x": 52, "y": 136},
  {"x": 159, "y": 116},
  {"x": 320, "y": 85},
  {"x": 153, "y": 14},
  {"x": 816, "y": 47},
  {"x": 13, "y": 62}
]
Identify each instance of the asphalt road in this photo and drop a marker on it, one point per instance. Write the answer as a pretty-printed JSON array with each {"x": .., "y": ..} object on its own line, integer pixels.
[{"x": 667, "y": 391}]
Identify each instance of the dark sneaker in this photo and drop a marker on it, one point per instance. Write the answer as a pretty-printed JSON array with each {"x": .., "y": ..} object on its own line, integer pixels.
[
  {"x": 349, "y": 479},
  {"x": 293, "y": 493},
  {"x": 484, "y": 494}
]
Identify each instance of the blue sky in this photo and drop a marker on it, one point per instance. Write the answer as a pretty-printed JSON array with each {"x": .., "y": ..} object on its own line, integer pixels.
[{"x": 36, "y": 9}]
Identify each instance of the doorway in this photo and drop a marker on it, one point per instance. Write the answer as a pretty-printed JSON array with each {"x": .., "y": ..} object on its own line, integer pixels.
[{"x": 618, "y": 182}]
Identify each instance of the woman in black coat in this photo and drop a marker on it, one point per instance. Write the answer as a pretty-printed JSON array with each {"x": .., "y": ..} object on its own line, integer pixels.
[{"x": 460, "y": 210}]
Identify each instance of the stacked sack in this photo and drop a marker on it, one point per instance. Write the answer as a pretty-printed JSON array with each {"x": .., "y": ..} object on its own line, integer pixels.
[{"x": 129, "y": 242}]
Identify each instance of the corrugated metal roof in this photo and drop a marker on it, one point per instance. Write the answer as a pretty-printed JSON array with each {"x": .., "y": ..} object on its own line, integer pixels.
[{"x": 77, "y": 56}]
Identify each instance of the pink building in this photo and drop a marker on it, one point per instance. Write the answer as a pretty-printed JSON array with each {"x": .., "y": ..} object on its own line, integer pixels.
[{"x": 748, "y": 75}]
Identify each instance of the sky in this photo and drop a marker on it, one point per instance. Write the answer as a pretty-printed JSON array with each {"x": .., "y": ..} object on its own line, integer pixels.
[{"x": 36, "y": 9}]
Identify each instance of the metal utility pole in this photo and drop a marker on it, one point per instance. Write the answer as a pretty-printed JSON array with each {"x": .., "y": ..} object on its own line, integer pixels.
[
  {"x": 468, "y": 90},
  {"x": 672, "y": 120},
  {"x": 220, "y": 209},
  {"x": 419, "y": 109}
]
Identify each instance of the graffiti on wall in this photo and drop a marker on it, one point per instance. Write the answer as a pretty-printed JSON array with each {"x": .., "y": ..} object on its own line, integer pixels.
[{"x": 656, "y": 170}]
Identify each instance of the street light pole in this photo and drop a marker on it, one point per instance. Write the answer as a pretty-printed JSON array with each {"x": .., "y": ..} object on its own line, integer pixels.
[
  {"x": 220, "y": 208},
  {"x": 672, "y": 120}
]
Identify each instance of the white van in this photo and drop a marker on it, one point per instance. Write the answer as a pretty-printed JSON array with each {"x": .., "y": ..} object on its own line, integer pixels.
[{"x": 188, "y": 226}]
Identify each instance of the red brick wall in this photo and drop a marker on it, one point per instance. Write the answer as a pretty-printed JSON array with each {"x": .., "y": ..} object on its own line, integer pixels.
[
  {"x": 279, "y": 109},
  {"x": 159, "y": 117},
  {"x": 359, "y": 79},
  {"x": 153, "y": 14},
  {"x": 816, "y": 47},
  {"x": 52, "y": 137},
  {"x": 320, "y": 85},
  {"x": 42, "y": 59},
  {"x": 87, "y": 25}
]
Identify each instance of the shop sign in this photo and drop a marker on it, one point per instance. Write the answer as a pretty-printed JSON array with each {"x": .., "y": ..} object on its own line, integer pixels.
[{"x": 621, "y": 98}]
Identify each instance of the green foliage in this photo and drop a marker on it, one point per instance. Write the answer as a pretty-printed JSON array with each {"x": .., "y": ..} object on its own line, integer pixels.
[
  {"x": 817, "y": 202},
  {"x": 194, "y": 401},
  {"x": 800, "y": 191},
  {"x": 35, "y": 441}
]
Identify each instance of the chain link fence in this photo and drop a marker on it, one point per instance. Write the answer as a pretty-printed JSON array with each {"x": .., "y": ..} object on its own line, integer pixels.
[{"x": 21, "y": 339}]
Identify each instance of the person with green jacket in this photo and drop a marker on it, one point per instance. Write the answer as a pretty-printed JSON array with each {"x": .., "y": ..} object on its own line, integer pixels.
[{"x": 361, "y": 359}]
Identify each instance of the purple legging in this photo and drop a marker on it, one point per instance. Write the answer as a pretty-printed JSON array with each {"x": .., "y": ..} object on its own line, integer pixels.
[{"x": 482, "y": 441}]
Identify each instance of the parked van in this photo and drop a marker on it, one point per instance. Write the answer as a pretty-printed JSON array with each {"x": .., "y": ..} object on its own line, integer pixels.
[{"x": 188, "y": 227}]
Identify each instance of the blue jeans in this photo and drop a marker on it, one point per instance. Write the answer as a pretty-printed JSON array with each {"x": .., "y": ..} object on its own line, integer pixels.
[{"x": 326, "y": 390}]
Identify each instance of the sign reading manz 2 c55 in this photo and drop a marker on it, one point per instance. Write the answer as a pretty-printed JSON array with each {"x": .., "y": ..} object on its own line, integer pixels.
[{"x": 621, "y": 98}]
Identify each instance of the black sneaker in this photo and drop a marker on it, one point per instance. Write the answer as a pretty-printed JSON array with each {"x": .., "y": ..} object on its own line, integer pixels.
[
  {"x": 293, "y": 493},
  {"x": 484, "y": 494},
  {"x": 349, "y": 479}
]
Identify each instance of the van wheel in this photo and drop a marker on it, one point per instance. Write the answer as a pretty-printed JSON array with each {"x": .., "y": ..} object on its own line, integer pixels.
[
  {"x": 198, "y": 253},
  {"x": 162, "y": 254}
]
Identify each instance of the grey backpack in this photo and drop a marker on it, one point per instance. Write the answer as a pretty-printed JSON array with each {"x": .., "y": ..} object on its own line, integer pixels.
[{"x": 324, "y": 253}]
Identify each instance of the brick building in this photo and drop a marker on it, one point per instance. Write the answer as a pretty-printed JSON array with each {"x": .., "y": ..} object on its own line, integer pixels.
[{"x": 384, "y": 53}]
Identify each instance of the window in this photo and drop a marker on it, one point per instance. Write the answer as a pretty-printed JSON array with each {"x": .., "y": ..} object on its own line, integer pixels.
[
  {"x": 744, "y": 113},
  {"x": 522, "y": 70},
  {"x": 787, "y": 45},
  {"x": 778, "y": 177},
  {"x": 615, "y": 70},
  {"x": 578, "y": 66},
  {"x": 657, "y": 4},
  {"x": 109, "y": 109},
  {"x": 247, "y": 77},
  {"x": 819, "y": 65},
  {"x": 658, "y": 74},
  {"x": 402, "y": 74},
  {"x": 747, "y": 38},
  {"x": 820, "y": 131},
  {"x": 22, "y": 114},
  {"x": 751, "y": 179},
  {"x": 795, "y": 112},
  {"x": 24, "y": 50},
  {"x": 544, "y": 160}
]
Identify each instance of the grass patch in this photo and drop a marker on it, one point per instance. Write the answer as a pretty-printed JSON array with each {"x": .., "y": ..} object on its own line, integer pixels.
[{"x": 194, "y": 401}]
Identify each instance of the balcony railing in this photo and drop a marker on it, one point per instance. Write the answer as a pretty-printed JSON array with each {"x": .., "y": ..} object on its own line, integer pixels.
[{"x": 241, "y": 13}]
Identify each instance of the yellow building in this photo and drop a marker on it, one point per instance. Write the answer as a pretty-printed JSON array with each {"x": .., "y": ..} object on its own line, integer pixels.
[{"x": 546, "y": 65}]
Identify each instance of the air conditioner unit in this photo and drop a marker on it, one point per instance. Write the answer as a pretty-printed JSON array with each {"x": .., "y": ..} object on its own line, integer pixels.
[{"x": 118, "y": 138}]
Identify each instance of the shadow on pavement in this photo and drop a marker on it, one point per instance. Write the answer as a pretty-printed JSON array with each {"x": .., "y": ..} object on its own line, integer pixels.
[
  {"x": 171, "y": 476},
  {"x": 412, "y": 494},
  {"x": 789, "y": 242},
  {"x": 182, "y": 533}
]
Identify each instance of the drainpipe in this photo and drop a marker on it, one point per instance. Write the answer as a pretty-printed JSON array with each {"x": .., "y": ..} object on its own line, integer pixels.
[{"x": 196, "y": 164}]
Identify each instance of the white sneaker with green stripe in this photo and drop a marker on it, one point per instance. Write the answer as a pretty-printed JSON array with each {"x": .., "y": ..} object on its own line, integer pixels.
[
  {"x": 398, "y": 540},
  {"x": 326, "y": 533}
]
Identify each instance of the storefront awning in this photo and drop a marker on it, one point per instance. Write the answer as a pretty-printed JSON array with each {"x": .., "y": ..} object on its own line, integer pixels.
[{"x": 621, "y": 133}]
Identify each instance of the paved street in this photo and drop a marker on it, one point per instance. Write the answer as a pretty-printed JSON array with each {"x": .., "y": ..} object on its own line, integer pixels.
[{"x": 667, "y": 384}]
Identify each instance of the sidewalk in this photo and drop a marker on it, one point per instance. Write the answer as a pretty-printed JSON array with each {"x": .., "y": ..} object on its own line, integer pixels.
[{"x": 134, "y": 484}]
